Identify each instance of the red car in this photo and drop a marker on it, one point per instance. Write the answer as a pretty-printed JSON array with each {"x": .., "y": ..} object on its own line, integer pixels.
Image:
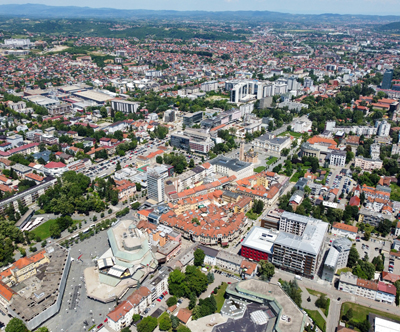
[
  {"x": 99, "y": 326},
  {"x": 229, "y": 282},
  {"x": 158, "y": 300}
]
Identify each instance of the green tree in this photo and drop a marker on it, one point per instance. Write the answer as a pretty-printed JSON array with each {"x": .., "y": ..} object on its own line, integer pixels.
[
  {"x": 353, "y": 257},
  {"x": 126, "y": 329},
  {"x": 322, "y": 302},
  {"x": 267, "y": 270},
  {"x": 193, "y": 301},
  {"x": 384, "y": 227},
  {"x": 16, "y": 325},
  {"x": 210, "y": 277},
  {"x": 148, "y": 324},
  {"x": 174, "y": 322},
  {"x": 199, "y": 256},
  {"x": 159, "y": 160},
  {"x": 172, "y": 301},
  {"x": 118, "y": 167},
  {"x": 367, "y": 235},
  {"x": 348, "y": 315},
  {"x": 165, "y": 323},
  {"x": 136, "y": 318}
]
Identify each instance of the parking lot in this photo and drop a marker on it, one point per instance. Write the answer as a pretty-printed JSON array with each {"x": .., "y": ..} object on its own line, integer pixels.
[{"x": 77, "y": 310}]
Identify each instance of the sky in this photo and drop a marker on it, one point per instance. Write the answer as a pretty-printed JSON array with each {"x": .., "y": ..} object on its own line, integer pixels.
[{"x": 371, "y": 7}]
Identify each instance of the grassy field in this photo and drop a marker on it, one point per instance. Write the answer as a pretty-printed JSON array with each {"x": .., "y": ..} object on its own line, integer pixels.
[
  {"x": 252, "y": 215},
  {"x": 161, "y": 316},
  {"x": 361, "y": 312},
  {"x": 44, "y": 229},
  {"x": 219, "y": 297},
  {"x": 395, "y": 194},
  {"x": 294, "y": 134},
  {"x": 272, "y": 160},
  {"x": 296, "y": 176},
  {"x": 259, "y": 169},
  {"x": 316, "y": 293},
  {"x": 344, "y": 270},
  {"x": 317, "y": 318}
]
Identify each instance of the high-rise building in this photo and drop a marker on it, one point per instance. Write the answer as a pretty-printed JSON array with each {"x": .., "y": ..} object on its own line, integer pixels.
[
  {"x": 383, "y": 128},
  {"x": 292, "y": 83},
  {"x": 299, "y": 246},
  {"x": 241, "y": 154},
  {"x": 308, "y": 82},
  {"x": 387, "y": 79},
  {"x": 169, "y": 116},
  {"x": 155, "y": 186}
]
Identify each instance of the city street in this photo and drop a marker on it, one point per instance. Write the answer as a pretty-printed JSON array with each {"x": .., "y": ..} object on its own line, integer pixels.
[{"x": 334, "y": 295}]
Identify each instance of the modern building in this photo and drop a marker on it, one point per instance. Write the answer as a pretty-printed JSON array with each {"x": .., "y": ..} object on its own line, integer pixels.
[
  {"x": 383, "y": 128},
  {"x": 227, "y": 167},
  {"x": 197, "y": 140},
  {"x": 302, "y": 126},
  {"x": 367, "y": 164},
  {"x": 387, "y": 79},
  {"x": 189, "y": 119},
  {"x": 375, "y": 151},
  {"x": 337, "y": 258},
  {"x": 268, "y": 308},
  {"x": 299, "y": 246},
  {"x": 337, "y": 158},
  {"x": 124, "y": 106},
  {"x": 124, "y": 265},
  {"x": 155, "y": 186},
  {"x": 258, "y": 244},
  {"x": 169, "y": 116}
]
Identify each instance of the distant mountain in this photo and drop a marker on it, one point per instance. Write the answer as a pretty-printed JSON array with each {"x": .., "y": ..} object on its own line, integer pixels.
[{"x": 43, "y": 11}]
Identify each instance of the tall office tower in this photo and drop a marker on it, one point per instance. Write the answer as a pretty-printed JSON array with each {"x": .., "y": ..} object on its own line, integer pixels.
[
  {"x": 241, "y": 154},
  {"x": 155, "y": 186},
  {"x": 387, "y": 79}
]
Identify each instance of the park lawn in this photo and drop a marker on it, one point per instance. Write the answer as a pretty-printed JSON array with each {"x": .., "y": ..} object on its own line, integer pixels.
[
  {"x": 44, "y": 229},
  {"x": 259, "y": 169},
  {"x": 272, "y": 160},
  {"x": 219, "y": 297},
  {"x": 395, "y": 193},
  {"x": 296, "y": 176},
  {"x": 292, "y": 133},
  {"x": 317, "y": 318},
  {"x": 361, "y": 312},
  {"x": 161, "y": 316},
  {"x": 343, "y": 270},
  {"x": 252, "y": 215}
]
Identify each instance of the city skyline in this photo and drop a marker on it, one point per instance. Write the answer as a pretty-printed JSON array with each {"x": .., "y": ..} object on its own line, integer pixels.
[{"x": 354, "y": 7}]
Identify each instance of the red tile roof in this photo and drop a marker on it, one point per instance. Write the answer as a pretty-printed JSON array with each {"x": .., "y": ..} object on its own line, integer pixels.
[{"x": 345, "y": 227}]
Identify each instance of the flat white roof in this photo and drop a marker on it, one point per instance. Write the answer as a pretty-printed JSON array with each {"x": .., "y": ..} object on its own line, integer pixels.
[
  {"x": 260, "y": 238},
  {"x": 383, "y": 325}
]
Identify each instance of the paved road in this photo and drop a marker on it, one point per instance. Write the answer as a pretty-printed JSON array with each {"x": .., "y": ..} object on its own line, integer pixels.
[{"x": 334, "y": 294}]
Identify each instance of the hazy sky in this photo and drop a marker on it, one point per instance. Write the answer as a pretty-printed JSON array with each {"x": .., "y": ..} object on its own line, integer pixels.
[{"x": 381, "y": 7}]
